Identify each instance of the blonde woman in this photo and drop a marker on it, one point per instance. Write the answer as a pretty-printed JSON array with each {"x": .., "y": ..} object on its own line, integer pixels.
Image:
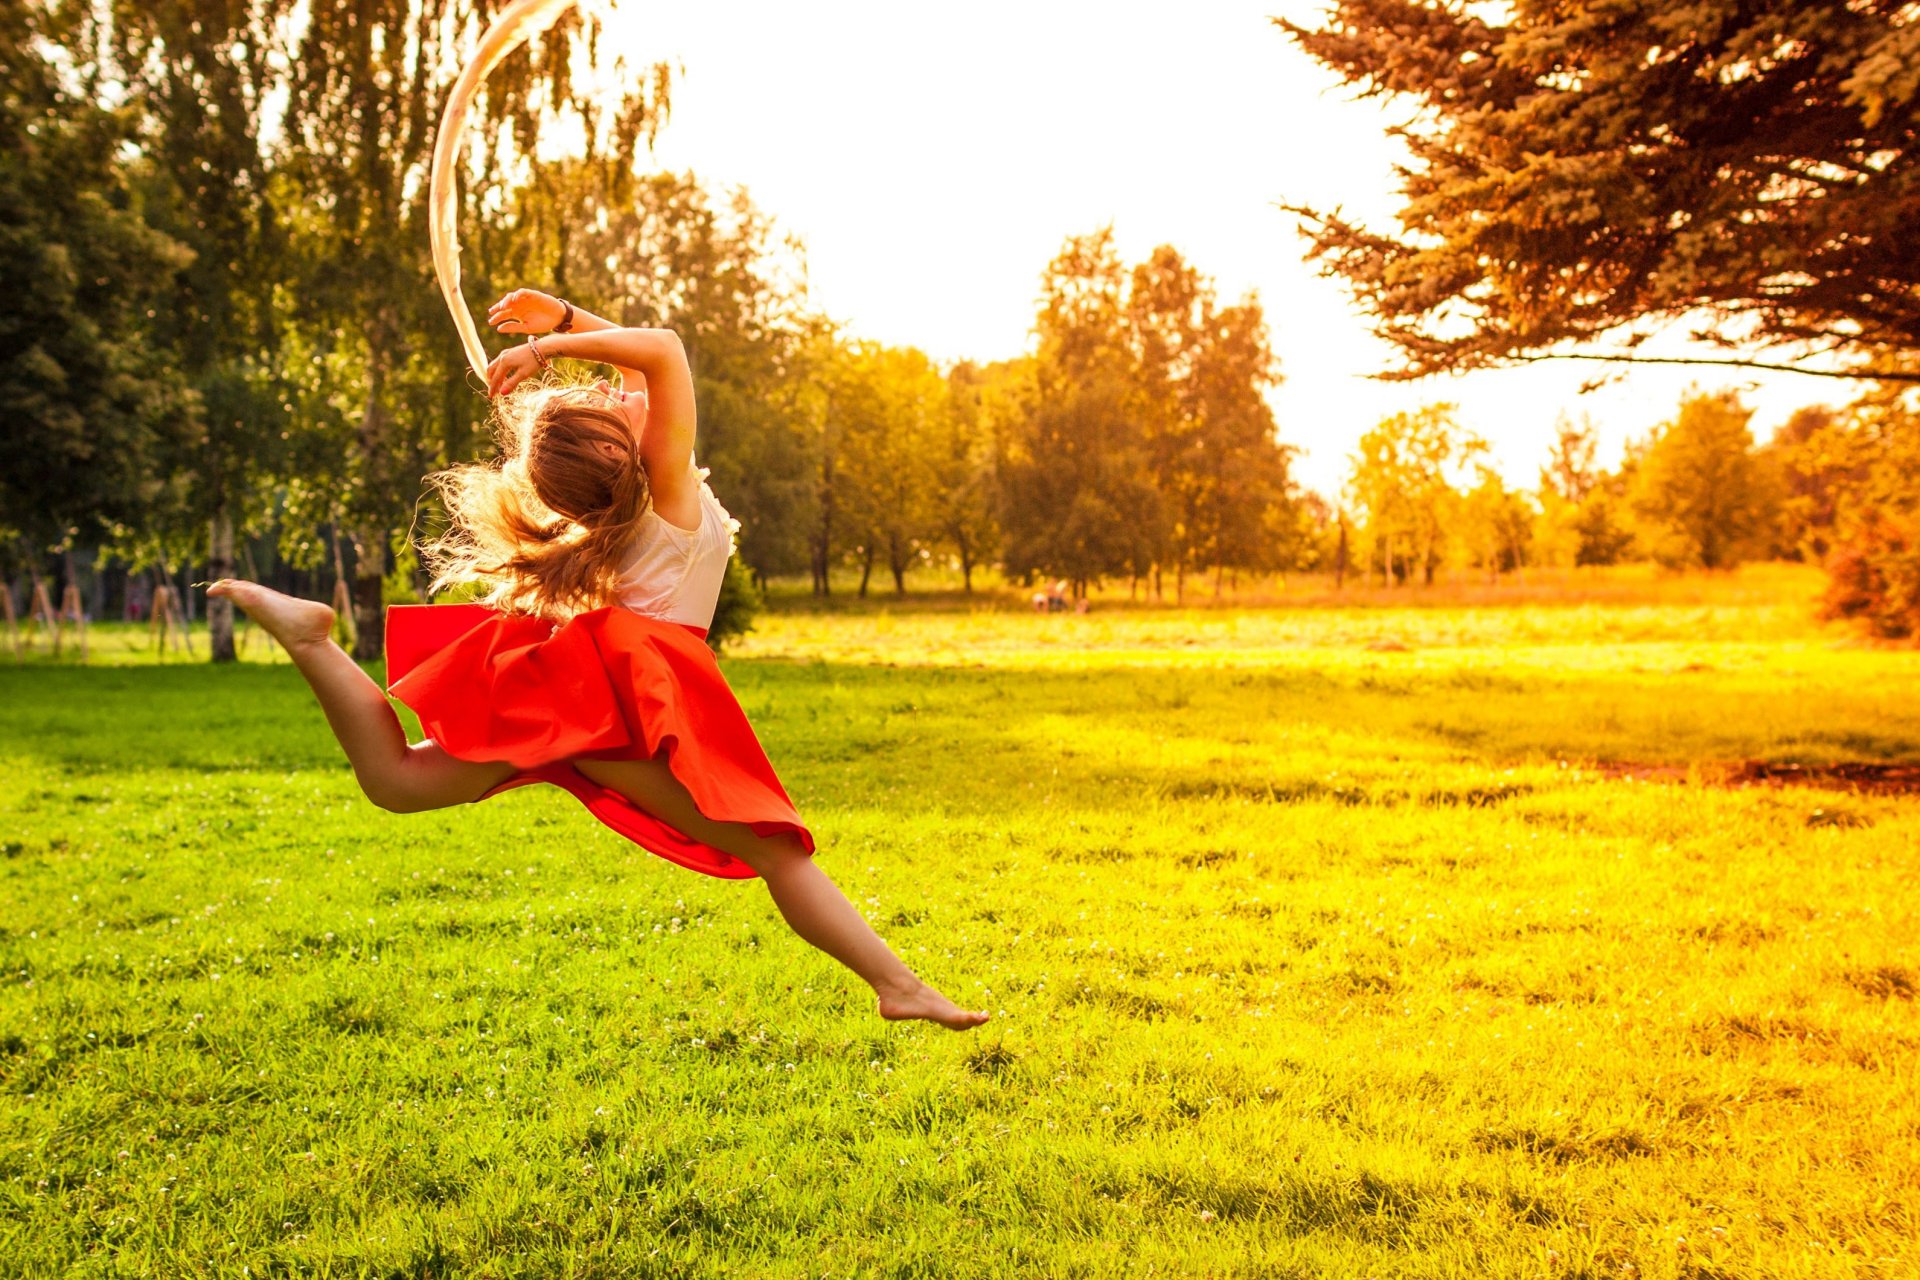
[{"x": 600, "y": 550}]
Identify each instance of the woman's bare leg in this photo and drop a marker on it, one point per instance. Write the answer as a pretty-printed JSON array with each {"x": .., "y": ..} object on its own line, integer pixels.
[
  {"x": 812, "y": 904},
  {"x": 395, "y": 776}
]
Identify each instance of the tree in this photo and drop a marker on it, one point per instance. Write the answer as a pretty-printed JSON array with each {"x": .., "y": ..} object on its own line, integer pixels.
[
  {"x": 1813, "y": 453},
  {"x": 1203, "y": 371},
  {"x": 367, "y": 79},
  {"x": 1496, "y": 525},
  {"x": 1874, "y": 567},
  {"x": 206, "y": 80},
  {"x": 982, "y": 403},
  {"x": 88, "y": 387},
  {"x": 1400, "y": 487},
  {"x": 1148, "y": 443},
  {"x": 891, "y": 406},
  {"x": 1577, "y": 168},
  {"x": 1078, "y": 494},
  {"x": 1702, "y": 497},
  {"x": 1581, "y": 520},
  {"x": 1245, "y": 519},
  {"x": 667, "y": 253}
]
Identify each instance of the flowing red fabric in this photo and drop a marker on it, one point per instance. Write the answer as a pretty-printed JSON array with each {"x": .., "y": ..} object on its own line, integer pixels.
[{"x": 606, "y": 685}]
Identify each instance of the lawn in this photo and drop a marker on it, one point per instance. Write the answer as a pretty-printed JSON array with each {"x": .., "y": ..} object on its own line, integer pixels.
[{"x": 1327, "y": 939}]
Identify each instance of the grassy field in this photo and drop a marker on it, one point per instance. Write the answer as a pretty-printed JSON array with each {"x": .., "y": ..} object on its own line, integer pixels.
[{"x": 1323, "y": 941}]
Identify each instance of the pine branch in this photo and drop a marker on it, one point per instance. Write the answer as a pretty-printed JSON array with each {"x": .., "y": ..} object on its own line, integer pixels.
[{"x": 1867, "y": 375}]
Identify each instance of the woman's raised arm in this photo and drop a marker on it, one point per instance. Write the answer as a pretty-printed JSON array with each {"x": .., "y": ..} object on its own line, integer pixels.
[
  {"x": 666, "y": 445},
  {"x": 534, "y": 313}
]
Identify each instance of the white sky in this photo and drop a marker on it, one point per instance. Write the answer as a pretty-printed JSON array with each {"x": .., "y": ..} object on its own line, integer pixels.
[{"x": 934, "y": 158}]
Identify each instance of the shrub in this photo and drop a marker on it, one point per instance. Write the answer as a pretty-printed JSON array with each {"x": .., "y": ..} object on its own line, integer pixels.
[{"x": 739, "y": 603}]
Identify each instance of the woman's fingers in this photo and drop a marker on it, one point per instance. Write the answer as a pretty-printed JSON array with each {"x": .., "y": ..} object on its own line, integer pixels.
[{"x": 497, "y": 371}]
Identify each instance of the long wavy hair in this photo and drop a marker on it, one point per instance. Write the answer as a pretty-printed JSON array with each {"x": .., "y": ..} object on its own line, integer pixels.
[{"x": 542, "y": 527}]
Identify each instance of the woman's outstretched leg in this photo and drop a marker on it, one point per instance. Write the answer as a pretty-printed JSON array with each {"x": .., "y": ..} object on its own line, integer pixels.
[
  {"x": 394, "y": 775},
  {"x": 811, "y": 903}
]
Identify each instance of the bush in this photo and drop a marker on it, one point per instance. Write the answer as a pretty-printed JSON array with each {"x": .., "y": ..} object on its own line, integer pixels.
[
  {"x": 1875, "y": 576},
  {"x": 739, "y": 603},
  {"x": 1873, "y": 569}
]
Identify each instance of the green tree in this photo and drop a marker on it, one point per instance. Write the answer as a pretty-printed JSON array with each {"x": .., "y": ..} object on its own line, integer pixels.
[
  {"x": 1580, "y": 167},
  {"x": 1400, "y": 488},
  {"x": 1203, "y": 371},
  {"x": 367, "y": 80},
  {"x": 892, "y": 406},
  {"x": 1702, "y": 497},
  {"x": 665, "y": 253},
  {"x": 1246, "y": 517},
  {"x": 982, "y": 403},
  {"x": 89, "y": 388},
  {"x": 1582, "y": 512},
  {"x": 1079, "y": 496},
  {"x": 205, "y": 79},
  {"x": 1496, "y": 525}
]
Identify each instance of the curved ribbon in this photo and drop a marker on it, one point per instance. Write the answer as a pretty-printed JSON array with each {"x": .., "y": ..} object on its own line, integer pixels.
[{"x": 509, "y": 31}]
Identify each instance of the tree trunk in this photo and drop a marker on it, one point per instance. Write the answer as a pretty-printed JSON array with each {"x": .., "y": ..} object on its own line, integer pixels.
[
  {"x": 866, "y": 571},
  {"x": 897, "y": 564},
  {"x": 1219, "y": 579},
  {"x": 1340, "y": 558},
  {"x": 220, "y": 565},
  {"x": 369, "y": 635}
]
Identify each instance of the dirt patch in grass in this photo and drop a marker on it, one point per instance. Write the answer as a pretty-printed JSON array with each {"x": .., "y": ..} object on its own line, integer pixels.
[{"x": 1872, "y": 778}]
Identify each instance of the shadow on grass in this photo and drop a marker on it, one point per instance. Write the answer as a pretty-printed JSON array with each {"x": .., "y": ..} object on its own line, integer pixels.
[{"x": 963, "y": 738}]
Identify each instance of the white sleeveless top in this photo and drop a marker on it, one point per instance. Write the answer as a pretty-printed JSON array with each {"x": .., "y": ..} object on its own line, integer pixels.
[{"x": 673, "y": 573}]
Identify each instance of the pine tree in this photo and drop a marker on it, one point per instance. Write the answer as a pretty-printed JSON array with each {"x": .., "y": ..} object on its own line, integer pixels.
[{"x": 1580, "y": 167}]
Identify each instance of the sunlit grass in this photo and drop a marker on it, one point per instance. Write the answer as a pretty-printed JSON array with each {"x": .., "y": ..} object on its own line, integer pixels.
[{"x": 1308, "y": 958}]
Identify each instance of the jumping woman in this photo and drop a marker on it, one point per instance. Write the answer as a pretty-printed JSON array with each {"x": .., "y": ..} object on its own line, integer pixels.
[{"x": 600, "y": 549}]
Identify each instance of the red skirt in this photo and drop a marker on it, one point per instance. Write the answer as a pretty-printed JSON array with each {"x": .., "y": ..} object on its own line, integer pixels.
[{"x": 606, "y": 685}]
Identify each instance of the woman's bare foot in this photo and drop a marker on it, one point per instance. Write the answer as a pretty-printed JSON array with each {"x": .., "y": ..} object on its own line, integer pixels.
[
  {"x": 924, "y": 1002},
  {"x": 287, "y": 619}
]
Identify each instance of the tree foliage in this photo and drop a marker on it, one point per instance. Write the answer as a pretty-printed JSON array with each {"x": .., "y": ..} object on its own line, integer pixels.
[
  {"x": 89, "y": 388},
  {"x": 664, "y": 251},
  {"x": 1148, "y": 444},
  {"x": 1874, "y": 566},
  {"x": 1703, "y": 497},
  {"x": 1401, "y": 489},
  {"x": 1580, "y": 167}
]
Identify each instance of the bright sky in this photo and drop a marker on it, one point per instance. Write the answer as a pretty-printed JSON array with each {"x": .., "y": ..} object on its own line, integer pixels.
[{"x": 933, "y": 158}]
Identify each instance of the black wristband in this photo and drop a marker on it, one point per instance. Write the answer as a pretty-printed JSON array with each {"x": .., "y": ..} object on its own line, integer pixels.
[{"x": 566, "y": 318}]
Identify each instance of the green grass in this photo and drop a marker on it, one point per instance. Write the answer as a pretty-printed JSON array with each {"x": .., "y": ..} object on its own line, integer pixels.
[{"x": 1317, "y": 943}]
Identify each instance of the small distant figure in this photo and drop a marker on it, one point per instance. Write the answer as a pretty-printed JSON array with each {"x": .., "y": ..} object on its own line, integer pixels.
[{"x": 1054, "y": 599}]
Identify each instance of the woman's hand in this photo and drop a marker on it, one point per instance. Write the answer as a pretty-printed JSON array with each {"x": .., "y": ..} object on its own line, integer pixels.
[
  {"x": 526, "y": 311},
  {"x": 506, "y": 370}
]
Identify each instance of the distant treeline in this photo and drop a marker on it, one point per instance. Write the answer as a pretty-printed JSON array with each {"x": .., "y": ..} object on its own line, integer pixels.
[
  {"x": 225, "y": 349},
  {"x": 1833, "y": 486}
]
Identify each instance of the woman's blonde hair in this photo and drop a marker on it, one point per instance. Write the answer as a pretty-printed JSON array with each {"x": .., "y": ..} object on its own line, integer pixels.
[{"x": 543, "y": 526}]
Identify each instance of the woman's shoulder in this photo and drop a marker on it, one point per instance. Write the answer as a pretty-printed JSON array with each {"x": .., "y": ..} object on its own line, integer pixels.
[{"x": 677, "y": 501}]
